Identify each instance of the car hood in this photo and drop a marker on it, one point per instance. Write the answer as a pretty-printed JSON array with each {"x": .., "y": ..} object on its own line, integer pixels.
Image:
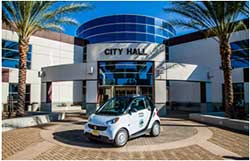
[{"x": 100, "y": 119}]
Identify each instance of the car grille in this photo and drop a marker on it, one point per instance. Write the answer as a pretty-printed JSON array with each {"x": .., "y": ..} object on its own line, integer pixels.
[{"x": 101, "y": 128}]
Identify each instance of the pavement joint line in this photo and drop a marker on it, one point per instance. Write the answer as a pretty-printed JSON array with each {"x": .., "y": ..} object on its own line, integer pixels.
[{"x": 32, "y": 151}]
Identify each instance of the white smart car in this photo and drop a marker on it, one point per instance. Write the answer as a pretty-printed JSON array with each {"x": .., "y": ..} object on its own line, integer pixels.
[{"x": 123, "y": 118}]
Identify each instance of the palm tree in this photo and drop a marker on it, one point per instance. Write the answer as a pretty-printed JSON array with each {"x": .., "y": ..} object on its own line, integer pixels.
[
  {"x": 218, "y": 19},
  {"x": 28, "y": 17}
]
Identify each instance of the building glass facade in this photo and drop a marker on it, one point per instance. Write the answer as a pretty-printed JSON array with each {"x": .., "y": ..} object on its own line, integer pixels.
[
  {"x": 240, "y": 54},
  {"x": 10, "y": 54},
  {"x": 120, "y": 78},
  {"x": 126, "y": 28},
  {"x": 13, "y": 92}
]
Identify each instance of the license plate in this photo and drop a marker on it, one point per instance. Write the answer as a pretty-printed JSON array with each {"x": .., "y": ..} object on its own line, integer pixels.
[{"x": 95, "y": 132}]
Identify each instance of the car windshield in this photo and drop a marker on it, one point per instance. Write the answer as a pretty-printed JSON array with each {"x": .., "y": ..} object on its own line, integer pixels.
[{"x": 115, "y": 106}]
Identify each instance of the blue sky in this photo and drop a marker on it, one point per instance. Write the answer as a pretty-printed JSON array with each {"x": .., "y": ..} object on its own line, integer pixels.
[{"x": 103, "y": 8}]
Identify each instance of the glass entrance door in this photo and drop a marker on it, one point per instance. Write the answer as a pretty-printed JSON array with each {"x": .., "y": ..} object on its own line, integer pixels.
[{"x": 124, "y": 78}]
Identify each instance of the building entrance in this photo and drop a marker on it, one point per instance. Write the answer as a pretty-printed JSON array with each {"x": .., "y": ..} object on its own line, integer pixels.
[
  {"x": 125, "y": 91},
  {"x": 123, "y": 78},
  {"x": 105, "y": 93}
]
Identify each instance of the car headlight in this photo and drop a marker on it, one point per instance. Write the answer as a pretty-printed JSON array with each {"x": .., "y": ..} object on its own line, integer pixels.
[{"x": 113, "y": 121}]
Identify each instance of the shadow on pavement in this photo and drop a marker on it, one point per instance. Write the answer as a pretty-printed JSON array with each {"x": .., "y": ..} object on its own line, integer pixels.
[
  {"x": 77, "y": 138},
  {"x": 236, "y": 158}
]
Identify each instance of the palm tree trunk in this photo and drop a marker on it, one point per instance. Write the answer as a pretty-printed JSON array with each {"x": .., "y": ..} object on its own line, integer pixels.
[
  {"x": 23, "y": 49},
  {"x": 225, "y": 51}
]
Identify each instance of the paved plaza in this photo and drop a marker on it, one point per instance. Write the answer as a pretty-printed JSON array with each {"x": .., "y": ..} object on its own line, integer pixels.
[{"x": 179, "y": 139}]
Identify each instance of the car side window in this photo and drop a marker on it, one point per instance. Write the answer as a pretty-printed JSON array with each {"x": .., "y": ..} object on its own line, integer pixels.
[
  {"x": 147, "y": 104},
  {"x": 138, "y": 104}
]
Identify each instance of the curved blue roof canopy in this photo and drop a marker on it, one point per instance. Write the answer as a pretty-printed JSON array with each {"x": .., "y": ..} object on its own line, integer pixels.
[{"x": 126, "y": 28}]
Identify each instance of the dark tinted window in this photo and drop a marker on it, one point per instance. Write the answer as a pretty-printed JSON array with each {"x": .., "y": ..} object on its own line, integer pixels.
[
  {"x": 115, "y": 28},
  {"x": 10, "y": 54},
  {"x": 13, "y": 92},
  {"x": 125, "y": 73},
  {"x": 138, "y": 104},
  {"x": 240, "y": 54},
  {"x": 246, "y": 74}
]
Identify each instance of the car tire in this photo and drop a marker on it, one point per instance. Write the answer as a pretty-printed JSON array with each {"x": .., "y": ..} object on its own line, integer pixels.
[
  {"x": 156, "y": 129},
  {"x": 121, "y": 138}
]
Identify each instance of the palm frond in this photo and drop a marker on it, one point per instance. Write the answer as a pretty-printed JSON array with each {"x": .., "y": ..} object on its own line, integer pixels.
[
  {"x": 67, "y": 20},
  {"x": 28, "y": 17},
  {"x": 74, "y": 7},
  {"x": 218, "y": 18},
  {"x": 53, "y": 27}
]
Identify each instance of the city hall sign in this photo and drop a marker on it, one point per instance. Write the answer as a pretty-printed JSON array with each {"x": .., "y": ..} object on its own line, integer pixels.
[{"x": 126, "y": 51}]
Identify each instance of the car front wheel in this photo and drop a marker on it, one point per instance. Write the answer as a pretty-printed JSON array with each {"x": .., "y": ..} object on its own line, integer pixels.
[
  {"x": 155, "y": 131},
  {"x": 121, "y": 138}
]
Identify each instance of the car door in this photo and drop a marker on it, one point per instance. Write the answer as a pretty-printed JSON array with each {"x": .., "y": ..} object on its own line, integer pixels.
[{"x": 140, "y": 116}]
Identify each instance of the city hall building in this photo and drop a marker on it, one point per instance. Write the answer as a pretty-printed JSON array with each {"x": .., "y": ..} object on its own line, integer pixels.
[{"x": 121, "y": 55}]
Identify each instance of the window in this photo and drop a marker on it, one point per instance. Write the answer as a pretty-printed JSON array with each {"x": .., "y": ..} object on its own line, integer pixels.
[
  {"x": 166, "y": 53},
  {"x": 238, "y": 89},
  {"x": 126, "y": 28},
  {"x": 13, "y": 92},
  {"x": 84, "y": 93},
  {"x": 240, "y": 54},
  {"x": 238, "y": 94},
  {"x": 138, "y": 104},
  {"x": 203, "y": 98},
  {"x": 10, "y": 54},
  {"x": 126, "y": 73},
  {"x": 84, "y": 53},
  {"x": 246, "y": 74}
]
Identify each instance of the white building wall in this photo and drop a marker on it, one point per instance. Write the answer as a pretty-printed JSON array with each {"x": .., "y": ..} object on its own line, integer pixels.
[
  {"x": 62, "y": 92},
  {"x": 91, "y": 96},
  {"x": 5, "y": 91},
  {"x": 205, "y": 52},
  {"x": 45, "y": 52},
  {"x": 160, "y": 91}
]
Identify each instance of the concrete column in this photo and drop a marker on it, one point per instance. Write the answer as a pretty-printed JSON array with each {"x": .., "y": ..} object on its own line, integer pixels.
[
  {"x": 45, "y": 106},
  {"x": 161, "y": 96},
  {"x": 91, "y": 97},
  {"x": 207, "y": 107}
]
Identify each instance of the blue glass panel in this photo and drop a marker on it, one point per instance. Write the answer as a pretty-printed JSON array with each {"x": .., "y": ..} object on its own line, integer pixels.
[
  {"x": 150, "y": 38},
  {"x": 159, "y": 39},
  {"x": 150, "y": 21},
  {"x": 125, "y": 73},
  {"x": 141, "y": 37},
  {"x": 12, "y": 45},
  {"x": 240, "y": 54},
  {"x": 137, "y": 27},
  {"x": 129, "y": 37},
  {"x": 10, "y": 63},
  {"x": 13, "y": 63},
  {"x": 10, "y": 54},
  {"x": 140, "y": 19},
  {"x": 150, "y": 29}
]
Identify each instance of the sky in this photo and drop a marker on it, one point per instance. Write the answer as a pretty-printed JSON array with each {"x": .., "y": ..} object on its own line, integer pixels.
[{"x": 104, "y": 8}]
